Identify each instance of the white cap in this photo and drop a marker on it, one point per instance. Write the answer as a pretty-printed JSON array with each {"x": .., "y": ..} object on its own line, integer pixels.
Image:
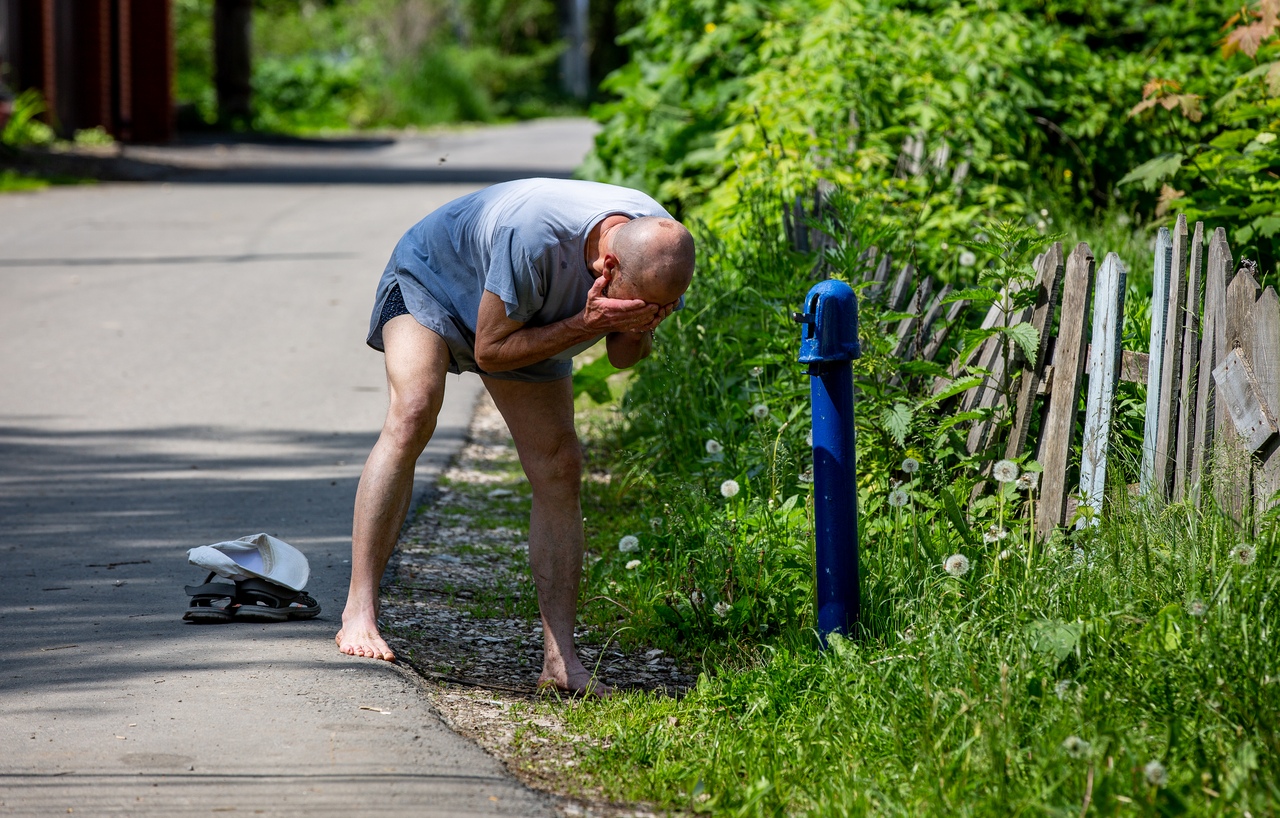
[{"x": 259, "y": 555}]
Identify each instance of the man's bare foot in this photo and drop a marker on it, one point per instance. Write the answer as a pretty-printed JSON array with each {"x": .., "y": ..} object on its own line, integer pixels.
[
  {"x": 581, "y": 683},
  {"x": 359, "y": 637}
]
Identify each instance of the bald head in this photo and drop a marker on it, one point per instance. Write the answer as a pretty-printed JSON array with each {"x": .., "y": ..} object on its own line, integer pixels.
[{"x": 655, "y": 257}]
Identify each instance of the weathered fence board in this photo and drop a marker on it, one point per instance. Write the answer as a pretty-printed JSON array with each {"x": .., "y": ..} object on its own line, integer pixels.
[
  {"x": 1232, "y": 468},
  {"x": 1168, "y": 421},
  {"x": 1048, "y": 287},
  {"x": 1156, "y": 348},
  {"x": 1263, "y": 350},
  {"x": 1213, "y": 341},
  {"x": 1212, "y": 370},
  {"x": 1190, "y": 362},
  {"x": 1104, "y": 374},
  {"x": 1059, "y": 423},
  {"x": 1240, "y": 392}
]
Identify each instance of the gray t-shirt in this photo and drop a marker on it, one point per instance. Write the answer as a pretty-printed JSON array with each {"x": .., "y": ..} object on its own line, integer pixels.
[{"x": 523, "y": 241}]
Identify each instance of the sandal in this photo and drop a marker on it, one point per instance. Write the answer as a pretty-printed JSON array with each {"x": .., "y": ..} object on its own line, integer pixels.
[
  {"x": 211, "y": 603},
  {"x": 263, "y": 601}
]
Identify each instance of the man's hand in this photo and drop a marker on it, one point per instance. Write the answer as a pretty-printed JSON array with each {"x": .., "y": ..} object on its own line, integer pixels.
[{"x": 603, "y": 315}]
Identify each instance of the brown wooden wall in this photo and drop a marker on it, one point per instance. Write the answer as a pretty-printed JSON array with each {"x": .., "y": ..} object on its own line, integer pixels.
[{"x": 102, "y": 63}]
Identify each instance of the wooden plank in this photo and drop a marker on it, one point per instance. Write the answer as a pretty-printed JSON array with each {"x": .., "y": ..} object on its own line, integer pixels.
[
  {"x": 900, "y": 292},
  {"x": 991, "y": 395},
  {"x": 935, "y": 310},
  {"x": 908, "y": 337},
  {"x": 1240, "y": 392},
  {"x": 988, "y": 354},
  {"x": 1171, "y": 373},
  {"x": 1048, "y": 286},
  {"x": 1059, "y": 423},
  {"x": 1213, "y": 342},
  {"x": 1156, "y": 348},
  {"x": 1263, "y": 349},
  {"x": 1232, "y": 468},
  {"x": 995, "y": 314},
  {"x": 1104, "y": 373},
  {"x": 1190, "y": 363},
  {"x": 941, "y": 331},
  {"x": 878, "y": 278}
]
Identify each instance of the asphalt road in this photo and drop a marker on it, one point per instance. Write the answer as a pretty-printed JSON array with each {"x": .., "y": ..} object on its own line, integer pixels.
[{"x": 183, "y": 363}]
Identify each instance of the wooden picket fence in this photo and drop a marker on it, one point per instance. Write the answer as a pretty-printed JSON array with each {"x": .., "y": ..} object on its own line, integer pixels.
[{"x": 1212, "y": 370}]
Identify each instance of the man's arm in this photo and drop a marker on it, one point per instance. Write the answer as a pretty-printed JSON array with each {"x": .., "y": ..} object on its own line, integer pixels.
[{"x": 503, "y": 344}]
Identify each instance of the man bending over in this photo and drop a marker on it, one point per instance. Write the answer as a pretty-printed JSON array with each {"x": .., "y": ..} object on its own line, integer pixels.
[{"x": 511, "y": 282}]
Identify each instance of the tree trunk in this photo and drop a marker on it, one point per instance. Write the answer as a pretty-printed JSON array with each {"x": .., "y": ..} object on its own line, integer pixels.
[{"x": 232, "y": 29}]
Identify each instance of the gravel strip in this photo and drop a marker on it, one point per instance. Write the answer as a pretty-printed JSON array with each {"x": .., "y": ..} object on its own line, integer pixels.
[{"x": 458, "y": 605}]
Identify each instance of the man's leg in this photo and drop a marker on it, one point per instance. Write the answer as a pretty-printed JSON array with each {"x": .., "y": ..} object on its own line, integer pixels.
[
  {"x": 540, "y": 417},
  {"x": 417, "y": 360}
]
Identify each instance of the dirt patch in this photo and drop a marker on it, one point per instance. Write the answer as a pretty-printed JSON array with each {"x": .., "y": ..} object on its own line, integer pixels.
[{"x": 459, "y": 606}]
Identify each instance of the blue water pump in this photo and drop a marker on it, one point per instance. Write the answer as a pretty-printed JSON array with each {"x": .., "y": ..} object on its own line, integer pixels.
[{"x": 828, "y": 344}]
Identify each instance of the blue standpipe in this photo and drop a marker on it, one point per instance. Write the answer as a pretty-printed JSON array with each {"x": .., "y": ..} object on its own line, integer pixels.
[{"x": 828, "y": 344}]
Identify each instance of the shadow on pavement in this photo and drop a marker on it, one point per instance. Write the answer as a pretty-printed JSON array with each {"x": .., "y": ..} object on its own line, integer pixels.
[{"x": 96, "y": 528}]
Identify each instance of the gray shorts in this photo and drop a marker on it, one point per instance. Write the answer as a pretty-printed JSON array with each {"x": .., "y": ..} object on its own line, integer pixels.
[{"x": 393, "y": 301}]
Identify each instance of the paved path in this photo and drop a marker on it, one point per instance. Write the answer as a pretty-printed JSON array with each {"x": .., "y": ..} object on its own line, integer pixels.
[{"x": 183, "y": 363}]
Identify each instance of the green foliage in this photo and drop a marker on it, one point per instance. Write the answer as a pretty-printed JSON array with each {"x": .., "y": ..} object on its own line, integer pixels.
[
  {"x": 322, "y": 65},
  {"x": 1003, "y": 100},
  {"x": 24, "y": 129}
]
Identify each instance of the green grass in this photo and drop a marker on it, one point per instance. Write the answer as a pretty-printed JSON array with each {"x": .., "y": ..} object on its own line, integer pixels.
[
  {"x": 1045, "y": 682},
  {"x": 1126, "y": 669},
  {"x": 11, "y": 181}
]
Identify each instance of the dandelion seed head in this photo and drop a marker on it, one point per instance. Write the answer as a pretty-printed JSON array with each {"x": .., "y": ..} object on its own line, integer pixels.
[
  {"x": 944, "y": 246},
  {"x": 908, "y": 636},
  {"x": 806, "y": 476},
  {"x": 957, "y": 565},
  {"x": 1028, "y": 481},
  {"x": 899, "y": 498},
  {"x": 991, "y": 535},
  {"x": 967, "y": 258},
  {"x": 633, "y": 565},
  {"x": 759, "y": 411},
  {"x": 757, "y": 371},
  {"x": 1155, "y": 773},
  {"x": 1006, "y": 554},
  {"x": 1062, "y": 688},
  {"x": 628, "y": 544},
  {"x": 1244, "y": 554},
  {"x": 655, "y": 523},
  {"x": 1044, "y": 211},
  {"x": 1005, "y": 471},
  {"x": 721, "y": 608},
  {"x": 910, "y": 465},
  {"x": 713, "y": 447},
  {"x": 1075, "y": 746},
  {"x": 1197, "y": 608},
  {"x": 696, "y": 599},
  {"x": 729, "y": 488}
]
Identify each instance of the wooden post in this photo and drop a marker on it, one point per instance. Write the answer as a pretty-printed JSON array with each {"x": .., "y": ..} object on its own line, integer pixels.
[
  {"x": 1104, "y": 373},
  {"x": 1159, "y": 308},
  {"x": 1048, "y": 289},
  {"x": 232, "y": 39},
  {"x": 1059, "y": 423},
  {"x": 1167, "y": 420},
  {"x": 1213, "y": 342},
  {"x": 1187, "y": 429}
]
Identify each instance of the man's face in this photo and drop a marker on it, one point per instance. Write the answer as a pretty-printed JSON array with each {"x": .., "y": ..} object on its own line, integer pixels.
[{"x": 652, "y": 289}]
